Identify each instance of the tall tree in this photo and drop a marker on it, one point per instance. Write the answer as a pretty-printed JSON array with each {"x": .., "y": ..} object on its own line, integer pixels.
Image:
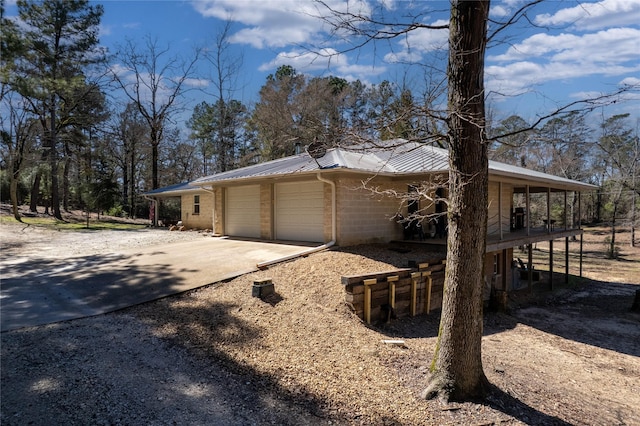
[
  {"x": 16, "y": 125},
  {"x": 511, "y": 149},
  {"x": 457, "y": 368},
  {"x": 78, "y": 135},
  {"x": 60, "y": 38},
  {"x": 179, "y": 160},
  {"x": 201, "y": 126},
  {"x": 275, "y": 116},
  {"x": 126, "y": 144},
  {"x": 11, "y": 49},
  {"x": 219, "y": 143},
  {"x": 18, "y": 133},
  {"x": 562, "y": 146},
  {"x": 153, "y": 82},
  {"x": 456, "y": 371},
  {"x": 620, "y": 159},
  {"x": 225, "y": 69}
]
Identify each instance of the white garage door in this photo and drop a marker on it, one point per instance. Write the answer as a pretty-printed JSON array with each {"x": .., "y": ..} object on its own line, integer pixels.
[
  {"x": 300, "y": 211},
  {"x": 243, "y": 211}
]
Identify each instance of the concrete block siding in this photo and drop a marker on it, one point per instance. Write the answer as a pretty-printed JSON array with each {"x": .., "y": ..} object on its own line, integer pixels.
[
  {"x": 366, "y": 218},
  {"x": 201, "y": 220}
]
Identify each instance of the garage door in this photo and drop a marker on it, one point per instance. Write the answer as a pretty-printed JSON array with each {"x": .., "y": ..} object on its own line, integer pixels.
[
  {"x": 243, "y": 211},
  {"x": 300, "y": 211}
]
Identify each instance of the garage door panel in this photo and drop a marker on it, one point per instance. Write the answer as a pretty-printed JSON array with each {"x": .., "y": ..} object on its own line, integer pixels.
[
  {"x": 300, "y": 211},
  {"x": 243, "y": 211}
]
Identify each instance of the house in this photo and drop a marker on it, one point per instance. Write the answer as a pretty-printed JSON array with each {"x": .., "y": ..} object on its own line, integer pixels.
[
  {"x": 342, "y": 196},
  {"x": 196, "y": 204}
]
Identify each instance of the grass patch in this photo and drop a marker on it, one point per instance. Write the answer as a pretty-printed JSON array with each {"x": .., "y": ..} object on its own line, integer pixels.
[{"x": 53, "y": 223}]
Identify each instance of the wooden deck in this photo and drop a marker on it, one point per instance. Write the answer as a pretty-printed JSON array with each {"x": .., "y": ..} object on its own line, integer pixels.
[{"x": 509, "y": 239}]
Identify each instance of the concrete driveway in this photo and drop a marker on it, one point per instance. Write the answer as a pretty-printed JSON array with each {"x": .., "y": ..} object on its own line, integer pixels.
[{"x": 44, "y": 291}]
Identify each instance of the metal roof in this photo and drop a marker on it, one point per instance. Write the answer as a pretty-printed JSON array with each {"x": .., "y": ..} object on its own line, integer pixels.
[
  {"x": 390, "y": 158},
  {"x": 394, "y": 157},
  {"x": 170, "y": 190}
]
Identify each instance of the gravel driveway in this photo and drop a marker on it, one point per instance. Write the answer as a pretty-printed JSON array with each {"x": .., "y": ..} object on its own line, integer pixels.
[{"x": 112, "y": 369}]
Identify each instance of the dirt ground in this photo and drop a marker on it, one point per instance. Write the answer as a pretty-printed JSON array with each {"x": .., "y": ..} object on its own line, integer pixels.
[{"x": 217, "y": 355}]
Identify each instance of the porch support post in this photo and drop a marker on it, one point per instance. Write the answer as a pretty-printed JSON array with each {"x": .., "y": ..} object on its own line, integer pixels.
[
  {"x": 500, "y": 209},
  {"x": 566, "y": 260},
  {"x": 506, "y": 267},
  {"x": 528, "y": 203},
  {"x": 565, "y": 210},
  {"x": 530, "y": 267},
  {"x": 548, "y": 210},
  {"x": 579, "y": 210},
  {"x": 551, "y": 264},
  {"x": 581, "y": 239},
  {"x": 156, "y": 207},
  {"x": 580, "y": 227}
]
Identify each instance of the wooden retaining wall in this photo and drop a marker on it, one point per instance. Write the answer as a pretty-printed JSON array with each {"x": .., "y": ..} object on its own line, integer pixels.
[{"x": 408, "y": 291}]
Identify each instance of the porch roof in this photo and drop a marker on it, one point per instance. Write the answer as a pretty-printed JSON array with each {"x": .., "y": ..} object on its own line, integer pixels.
[{"x": 171, "y": 190}]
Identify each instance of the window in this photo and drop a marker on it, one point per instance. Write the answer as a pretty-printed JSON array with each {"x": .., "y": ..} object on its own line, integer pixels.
[{"x": 196, "y": 204}]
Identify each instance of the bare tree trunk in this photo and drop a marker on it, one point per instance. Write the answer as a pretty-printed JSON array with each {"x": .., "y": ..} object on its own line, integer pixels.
[
  {"x": 612, "y": 242},
  {"x": 456, "y": 371},
  {"x": 53, "y": 162},
  {"x": 13, "y": 193},
  {"x": 125, "y": 185},
  {"x": 132, "y": 194},
  {"x": 35, "y": 192},
  {"x": 66, "y": 185},
  {"x": 154, "y": 166}
]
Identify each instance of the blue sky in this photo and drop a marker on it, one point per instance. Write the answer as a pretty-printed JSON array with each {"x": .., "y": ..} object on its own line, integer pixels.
[{"x": 579, "y": 49}]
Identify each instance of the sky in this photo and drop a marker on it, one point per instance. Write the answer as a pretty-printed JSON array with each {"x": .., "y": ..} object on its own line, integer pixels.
[{"x": 567, "y": 51}]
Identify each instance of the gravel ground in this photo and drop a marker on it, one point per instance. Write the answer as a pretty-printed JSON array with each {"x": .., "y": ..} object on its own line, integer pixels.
[{"x": 216, "y": 355}]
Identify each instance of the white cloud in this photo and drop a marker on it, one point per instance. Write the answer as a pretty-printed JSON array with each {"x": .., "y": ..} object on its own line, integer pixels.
[
  {"x": 104, "y": 30},
  {"x": 499, "y": 11},
  {"x": 593, "y": 16},
  {"x": 131, "y": 25},
  {"x": 196, "y": 82},
  {"x": 419, "y": 42},
  {"x": 519, "y": 77},
  {"x": 405, "y": 56},
  {"x": 586, "y": 95},
  {"x": 326, "y": 59},
  {"x": 303, "y": 61},
  {"x": 276, "y": 23},
  {"x": 630, "y": 81}
]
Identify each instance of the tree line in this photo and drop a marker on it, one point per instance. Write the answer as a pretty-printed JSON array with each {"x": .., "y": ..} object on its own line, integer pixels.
[{"x": 68, "y": 143}]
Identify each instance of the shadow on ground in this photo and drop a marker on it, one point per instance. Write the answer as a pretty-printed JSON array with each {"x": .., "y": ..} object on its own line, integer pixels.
[
  {"x": 42, "y": 291},
  {"x": 596, "y": 313},
  {"x": 143, "y": 369}
]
